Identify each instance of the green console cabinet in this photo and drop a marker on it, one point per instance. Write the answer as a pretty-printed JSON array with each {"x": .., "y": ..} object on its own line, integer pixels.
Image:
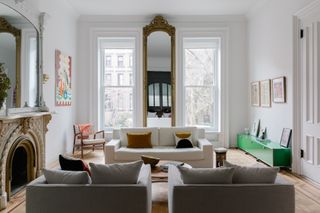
[{"x": 267, "y": 151}]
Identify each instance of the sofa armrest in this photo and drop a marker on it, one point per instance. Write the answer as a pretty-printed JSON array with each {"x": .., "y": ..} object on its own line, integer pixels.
[
  {"x": 145, "y": 180},
  {"x": 113, "y": 144},
  {"x": 203, "y": 143},
  {"x": 145, "y": 175},
  {"x": 109, "y": 150}
]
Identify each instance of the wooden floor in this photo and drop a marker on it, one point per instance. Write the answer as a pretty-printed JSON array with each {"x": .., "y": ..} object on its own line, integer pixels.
[{"x": 307, "y": 192}]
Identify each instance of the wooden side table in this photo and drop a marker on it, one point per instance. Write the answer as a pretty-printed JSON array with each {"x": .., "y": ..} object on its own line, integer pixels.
[{"x": 221, "y": 155}]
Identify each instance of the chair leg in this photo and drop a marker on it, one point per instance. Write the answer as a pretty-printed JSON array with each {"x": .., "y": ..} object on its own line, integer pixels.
[
  {"x": 81, "y": 151},
  {"x": 93, "y": 148}
]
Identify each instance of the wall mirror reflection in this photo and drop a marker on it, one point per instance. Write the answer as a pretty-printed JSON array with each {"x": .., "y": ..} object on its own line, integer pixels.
[
  {"x": 18, "y": 58},
  {"x": 159, "y": 72}
]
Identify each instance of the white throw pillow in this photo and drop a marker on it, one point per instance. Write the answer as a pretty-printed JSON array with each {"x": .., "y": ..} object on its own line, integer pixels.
[
  {"x": 244, "y": 174},
  {"x": 117, "y": 173},
  {"x": 66, "y": 177},
  {"x": 206, "y": 175}
]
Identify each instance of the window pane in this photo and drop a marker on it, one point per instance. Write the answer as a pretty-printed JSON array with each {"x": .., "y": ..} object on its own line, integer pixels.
[
  {"x": 157, "y": 94},
  {"x": 201, "y": 87},
  {"x": 165, "y": 95},
  {"x": 151, "y": 95},
  {"x": 199, "y": 106},
  {"x": 199, "y": 67},
  {"x": 118, "y": 105},
  {"x": 118, "y": 90}
]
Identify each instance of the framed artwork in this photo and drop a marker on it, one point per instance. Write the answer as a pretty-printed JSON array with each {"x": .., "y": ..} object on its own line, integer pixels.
[
  {"x": 63, "y": 79},
  {"x": 263, "y": 133},
  {"x": 285, "y": 137},
  {"x": 255, "y": 128},
  {"x": 279, "y": 90},
  {"x": 255, "y": 93},
  {"x": 265, "y": 93}
]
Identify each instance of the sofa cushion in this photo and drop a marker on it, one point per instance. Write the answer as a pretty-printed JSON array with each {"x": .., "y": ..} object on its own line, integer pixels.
[
  {"x": 166, "y": 135},
  {"x": 139, "y": 139},
  {"x": 206, "y": 175},
  {"x": 244, "y": 174},
  {"x": 154, "y": 134},
  {"x": 162, "y": 152},
  {"x": 66, "y": 177},
  {"x": 118, "y": 173}
]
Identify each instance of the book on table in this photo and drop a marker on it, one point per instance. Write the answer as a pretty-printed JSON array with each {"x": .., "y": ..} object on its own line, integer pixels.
[{"x": 164, "y": 167}]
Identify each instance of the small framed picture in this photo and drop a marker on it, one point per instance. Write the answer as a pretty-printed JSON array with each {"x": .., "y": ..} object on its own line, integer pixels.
[
  {"x": 263, "y": 133},
  {"x": 255, "y": 128},
  {"x": 255, "y": 93},
  {"x": 285, "y": 137},
  {"x": 265, "y": 93},
  {"x": 279, "y": 90}
]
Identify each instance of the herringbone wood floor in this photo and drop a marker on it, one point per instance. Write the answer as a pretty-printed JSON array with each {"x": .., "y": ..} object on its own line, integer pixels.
[{"x": 307, "y": 192}]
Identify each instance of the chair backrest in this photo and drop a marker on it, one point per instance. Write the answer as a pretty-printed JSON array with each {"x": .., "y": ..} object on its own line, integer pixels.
[{"x": 85, "y": 129}]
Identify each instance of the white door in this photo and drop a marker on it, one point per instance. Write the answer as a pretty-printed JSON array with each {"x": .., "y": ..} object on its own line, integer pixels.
[{"x": 310, "y": 49}]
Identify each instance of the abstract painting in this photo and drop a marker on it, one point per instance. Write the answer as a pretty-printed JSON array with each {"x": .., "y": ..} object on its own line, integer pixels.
[{"x": 63, "y": 79}]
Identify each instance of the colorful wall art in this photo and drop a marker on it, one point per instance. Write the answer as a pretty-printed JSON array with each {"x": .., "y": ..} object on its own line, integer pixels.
[{"x": 63, "y": 79}]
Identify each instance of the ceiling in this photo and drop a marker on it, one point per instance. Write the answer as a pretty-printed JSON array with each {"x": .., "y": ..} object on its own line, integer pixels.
[{"x": 164, "y": 7}]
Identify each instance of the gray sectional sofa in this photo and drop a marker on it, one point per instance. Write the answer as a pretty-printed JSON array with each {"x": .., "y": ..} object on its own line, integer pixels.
[
  {"x": 229, "y": 198},
  {"x": 121, "y": 198}
]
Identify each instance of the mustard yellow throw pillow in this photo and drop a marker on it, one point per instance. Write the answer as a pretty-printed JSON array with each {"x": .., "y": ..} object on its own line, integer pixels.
[{"x": 139, "y": 140}]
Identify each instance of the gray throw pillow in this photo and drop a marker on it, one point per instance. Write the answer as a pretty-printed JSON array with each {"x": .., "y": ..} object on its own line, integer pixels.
[
  {"x": 118, "y": 173},
  {"x": 206, "y": 175},
  {"x": 244, "y": 174},
  {"x": 66, "y": 177}
]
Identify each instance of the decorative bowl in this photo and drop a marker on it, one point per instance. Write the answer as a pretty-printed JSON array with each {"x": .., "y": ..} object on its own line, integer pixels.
[{"x": 150, "y": 160}]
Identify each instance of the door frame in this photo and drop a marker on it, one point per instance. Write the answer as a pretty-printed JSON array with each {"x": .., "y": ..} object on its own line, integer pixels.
[{"x": 297, "y": 82}]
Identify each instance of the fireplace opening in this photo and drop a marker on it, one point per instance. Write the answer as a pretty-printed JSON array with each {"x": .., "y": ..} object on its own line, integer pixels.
[
  {"x": 21, "y": 167},
  {"x": 19, "y": 170}
]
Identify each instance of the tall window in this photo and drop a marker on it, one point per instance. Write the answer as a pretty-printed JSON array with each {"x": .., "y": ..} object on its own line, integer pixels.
[
  {"x": 202, "y": 82},
  {"x": 118, "y": 91}
]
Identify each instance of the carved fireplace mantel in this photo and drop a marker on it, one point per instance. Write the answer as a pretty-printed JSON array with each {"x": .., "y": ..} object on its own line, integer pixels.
[{"x": 29, "y": 128}]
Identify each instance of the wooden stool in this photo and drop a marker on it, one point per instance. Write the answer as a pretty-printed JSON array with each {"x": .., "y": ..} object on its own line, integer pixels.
[{"x": 221, "y": 155}]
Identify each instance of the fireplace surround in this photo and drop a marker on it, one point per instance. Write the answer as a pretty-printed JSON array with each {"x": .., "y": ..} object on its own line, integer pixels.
[{"x": 22, "y": 151}]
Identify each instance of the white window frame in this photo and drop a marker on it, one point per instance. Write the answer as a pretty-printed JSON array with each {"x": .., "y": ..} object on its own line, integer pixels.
[
  {"x": 223, "y": 33},
  {"x": 216, "y": 85},
  {"x": 96, "y": 87}
]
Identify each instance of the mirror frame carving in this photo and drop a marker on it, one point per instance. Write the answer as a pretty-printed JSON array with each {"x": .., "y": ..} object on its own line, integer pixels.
[
  {"x": 159, "y": 23},
  {"x": 6, "y": 27}
]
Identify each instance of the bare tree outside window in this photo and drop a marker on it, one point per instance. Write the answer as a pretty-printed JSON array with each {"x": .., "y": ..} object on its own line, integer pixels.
[
  {"x": 119, "y": 89},
  {"x": 200, "y": 85}
]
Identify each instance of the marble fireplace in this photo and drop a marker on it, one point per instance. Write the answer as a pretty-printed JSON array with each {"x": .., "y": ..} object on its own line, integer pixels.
[{"x": 22, "y": 151}]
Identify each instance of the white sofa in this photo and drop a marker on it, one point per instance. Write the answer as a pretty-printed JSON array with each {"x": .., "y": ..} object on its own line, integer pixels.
[{"x": 164, "y": 147}]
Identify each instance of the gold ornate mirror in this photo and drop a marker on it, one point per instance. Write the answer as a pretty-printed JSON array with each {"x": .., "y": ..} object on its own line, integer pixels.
[{"x": 159, "y": 74}]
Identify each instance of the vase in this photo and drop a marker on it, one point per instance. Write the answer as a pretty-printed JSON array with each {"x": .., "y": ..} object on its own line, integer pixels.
[{"x": 3, "y": 104}]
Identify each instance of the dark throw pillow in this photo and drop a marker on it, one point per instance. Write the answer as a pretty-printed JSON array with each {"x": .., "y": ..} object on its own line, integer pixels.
[
  {"x": 73, "y": 164},
  {"x": 184, "y": 143}
]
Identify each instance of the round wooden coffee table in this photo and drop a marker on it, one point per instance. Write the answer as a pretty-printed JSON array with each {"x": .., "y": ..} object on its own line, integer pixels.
[{"x": 159, "y": 175}]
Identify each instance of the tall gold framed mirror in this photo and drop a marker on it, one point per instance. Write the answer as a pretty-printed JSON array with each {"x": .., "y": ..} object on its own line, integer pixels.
[{"x": 159, "y": 73}]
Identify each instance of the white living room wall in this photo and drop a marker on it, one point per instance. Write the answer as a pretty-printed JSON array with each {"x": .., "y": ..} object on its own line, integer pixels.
[
  {"x": 60, "y": 33},
  {"x": 270, "y": 47},
  {"x": 237, "y": 100}
]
